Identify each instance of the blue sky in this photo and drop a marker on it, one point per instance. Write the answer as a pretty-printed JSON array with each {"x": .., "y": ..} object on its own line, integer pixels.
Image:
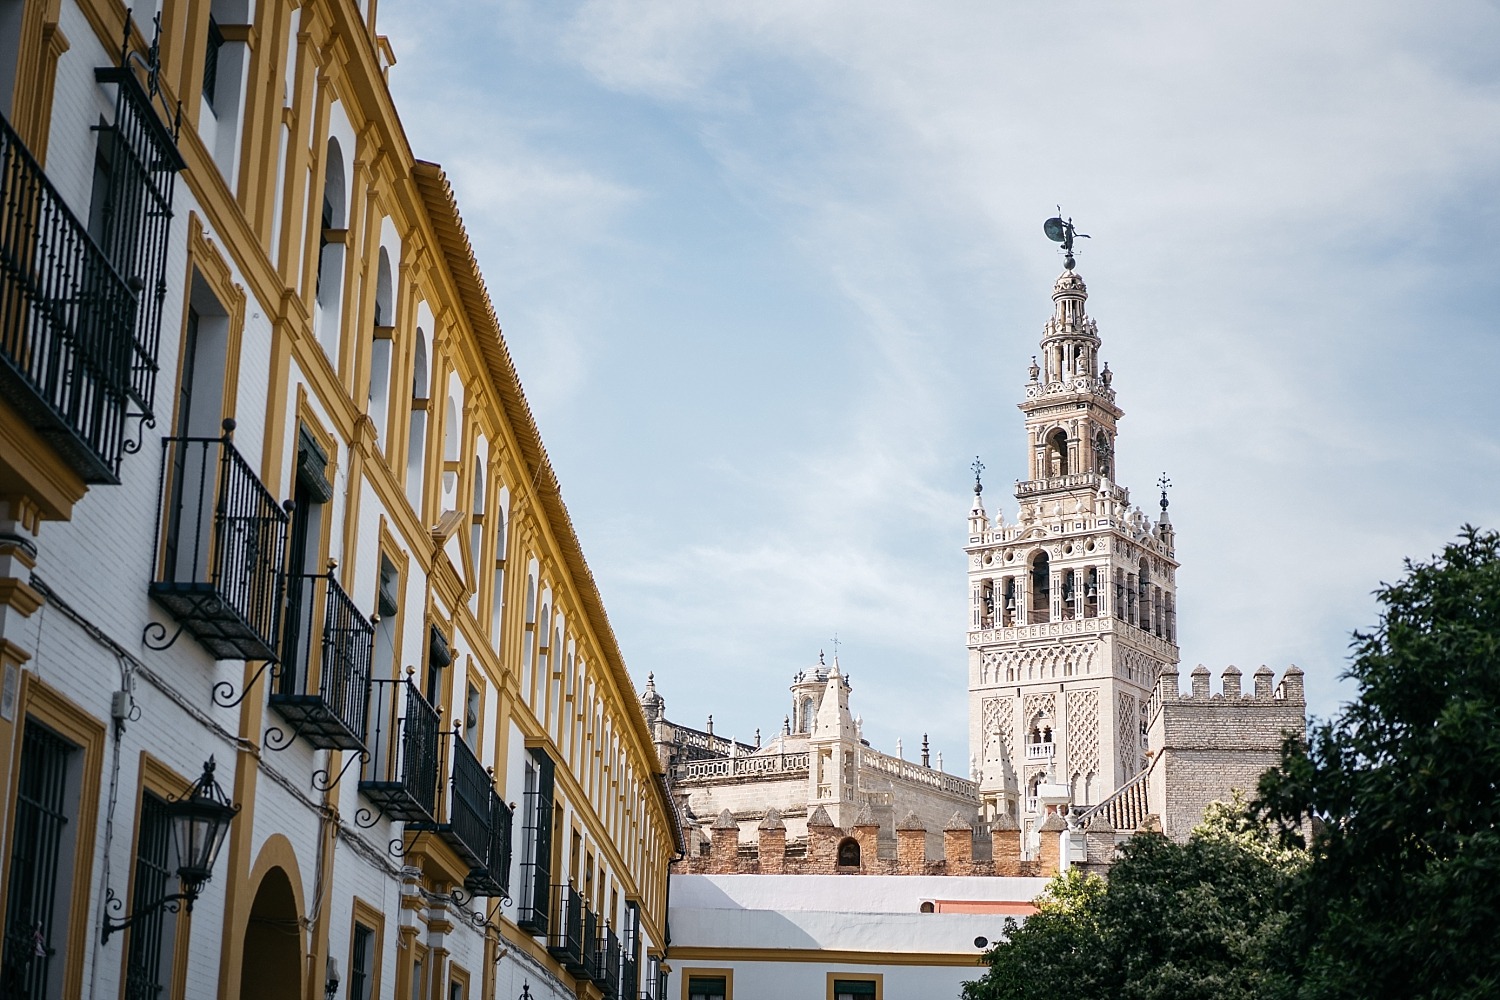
[{"x": 772, "y": 274}]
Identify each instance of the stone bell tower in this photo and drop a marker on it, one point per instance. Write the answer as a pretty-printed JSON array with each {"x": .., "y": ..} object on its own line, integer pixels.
[{"x": 1073, "y": 606}]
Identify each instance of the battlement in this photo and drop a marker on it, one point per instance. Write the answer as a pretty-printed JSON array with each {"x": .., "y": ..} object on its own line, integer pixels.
[
  {"x": 969, "y": 848},
  {"x": 1206, "y": 742}
]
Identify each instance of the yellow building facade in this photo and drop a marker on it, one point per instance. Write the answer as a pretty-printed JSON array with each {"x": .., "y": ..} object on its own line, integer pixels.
[{"x": 271, "y": 497}]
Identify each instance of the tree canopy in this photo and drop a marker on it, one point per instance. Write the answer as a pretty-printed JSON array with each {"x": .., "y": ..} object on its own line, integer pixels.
[
  {"x": 1172, "y": 921},
  {"x": 1402, "y": 897}
]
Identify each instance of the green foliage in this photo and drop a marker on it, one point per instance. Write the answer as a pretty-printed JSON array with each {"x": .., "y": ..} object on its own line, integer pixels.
[
  {"x": 1172, "y": 921},
  {"x": 1403, "y": 895},
  {"x": 1398, "y": 894}
]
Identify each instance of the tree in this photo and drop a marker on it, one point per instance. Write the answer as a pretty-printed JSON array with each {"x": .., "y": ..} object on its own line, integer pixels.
[
  {"x": 1402, "y": 897},
  {"x": 1174, "y": 921}
]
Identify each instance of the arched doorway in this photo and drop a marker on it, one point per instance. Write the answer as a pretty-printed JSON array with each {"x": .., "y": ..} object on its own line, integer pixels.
[{"x": 272, "y": 965}]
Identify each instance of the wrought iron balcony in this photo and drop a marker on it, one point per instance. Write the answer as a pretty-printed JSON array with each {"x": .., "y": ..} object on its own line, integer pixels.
[
  {"x": 492, "y": 876},
  {"x": 592, "y": 959},
  {"x": 401, "y": 776},
  {"x": 607, "y": 971},
  {"x": 565, "y": 940},
  {"x": 630, "y": 976},
  {"x": 66, "y": 321},
  {"x": 324, "y": 697},
  {"x": 473, "y": 821},
  {"x": 219, "y": 555}
]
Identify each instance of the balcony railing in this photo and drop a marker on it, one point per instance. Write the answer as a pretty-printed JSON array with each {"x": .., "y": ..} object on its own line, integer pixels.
[
  {"x": 608, "y": 964},
  {"x": 474, "y": 821},
  {"x": 565, "y": 941},
  {"x": 326, "y": 697},
  {"x": 66, "y": 321},
  {"x": 491, "y": 877},
  {"x": 593, "y": 964},
  {"x": 401, "y": 777},
  {"x": 1041, "y": 751},
  {"x": 218, "y": 559},
  {"x": 630, "y": 976}
]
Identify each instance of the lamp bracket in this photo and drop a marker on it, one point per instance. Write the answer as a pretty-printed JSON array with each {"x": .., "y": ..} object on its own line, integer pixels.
[{"x": 114, "y": 904}]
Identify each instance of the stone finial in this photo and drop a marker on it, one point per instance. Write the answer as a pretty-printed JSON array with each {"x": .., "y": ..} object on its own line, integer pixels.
[
  {"x": 1264, "y": 678},
  {"x": 1231, "y": 681},
  {"x": 1099, "y": 821},
  {"x": 772, "y": 820},
  {"x": 1200, "y": 681},
  {"x": 819, "y": 817},
  {"x": 866, "y": 818},
  {"x": 725, "y": 821},
  {"x": 1291, "y": 686},
  {"x": 1054, "y": 821},
  {"x": 1166, "y": 681},
  {"x": 1005, "y": 821},
  {"x": 911, "y": 821},
  {"x": 958, "y": 822}
]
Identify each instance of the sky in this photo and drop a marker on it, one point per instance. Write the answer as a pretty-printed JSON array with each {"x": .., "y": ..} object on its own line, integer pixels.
[{"x": 772, "y": 274}]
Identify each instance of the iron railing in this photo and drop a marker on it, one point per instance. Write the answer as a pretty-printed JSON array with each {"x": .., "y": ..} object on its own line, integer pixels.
[
  {"x": 401, "y": 776},
  {"x": 536, "y": 847},
  {"x": 65, "y": 320},
  {"x": 491, "y": 877},
  {"x": 607, "y": 965},
  {"x": 333, "y": 712},
  {"x": 136, "y": 216},
  {"x": 592, "y": 964},
  {"x": 565, "y": 940},
  {"x": 474, "y": 821},
  {"x": 218, "y": 558}
]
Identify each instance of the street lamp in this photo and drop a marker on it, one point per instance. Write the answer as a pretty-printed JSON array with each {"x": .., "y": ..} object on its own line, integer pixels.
[{"x": 199, "y": 820}]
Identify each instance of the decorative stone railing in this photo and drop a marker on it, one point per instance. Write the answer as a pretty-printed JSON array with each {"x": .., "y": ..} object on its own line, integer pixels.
[
  {"x": 906, "y": 770},
  {"x": 1125, "y": 808},
  {"x": 744, "y": 767}
]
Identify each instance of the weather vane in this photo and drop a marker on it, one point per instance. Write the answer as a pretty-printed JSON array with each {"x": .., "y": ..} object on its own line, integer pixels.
[
  {"x": 978, "y": 467},
  {"x": 1060, "y": 230},
  {"x": 1165, "y": 484}
]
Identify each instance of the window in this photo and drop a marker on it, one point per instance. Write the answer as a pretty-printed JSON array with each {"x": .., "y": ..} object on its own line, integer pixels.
[
  {"x": 1041, "y": 589},
  {"x": 36, "y": 905},
  {"x": 211, "y": 63},
  {"x": 150, "y": 957},
  {"x": 471, "y": 718},
  {"x": 708, "y": 987},
  {"x": 849, "y": 852},
  {"x": 855, "y": 989},
  {"x": 361, "y": 962},
  {"x": 416, "y": 434},
  {"x": 536, "y": 842}
]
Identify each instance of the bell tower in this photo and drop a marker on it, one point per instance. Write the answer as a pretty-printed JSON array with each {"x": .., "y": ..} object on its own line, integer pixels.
[{"x": 1073, "y": 606}]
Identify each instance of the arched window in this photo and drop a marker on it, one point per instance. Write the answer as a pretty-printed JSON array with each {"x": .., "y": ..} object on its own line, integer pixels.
[
  {"x": 380, "y": 347},
  {"x": 452, "y": 435},
  {"x": 848, "y": 853},
  {"x": 1057, "y": 454},
  {"x": 332, "y": 234},
  {"x": 1143, "y": 596},
  {"x": 1091, "y": 593},
  {"x": 1070, "y": 594},
  {"x": 416, "y": 438},
  {"x": 476, "y": 526},
  {"x": 1008, "y": 606},
  {"x": 807, "y": 715},
  {"x": 1041, "y": 589}
]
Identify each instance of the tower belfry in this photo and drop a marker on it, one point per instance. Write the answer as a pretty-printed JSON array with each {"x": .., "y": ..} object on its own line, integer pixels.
[{"x": 1073, "y": 606}]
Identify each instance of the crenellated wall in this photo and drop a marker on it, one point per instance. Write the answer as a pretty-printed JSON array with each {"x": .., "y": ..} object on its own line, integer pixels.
[{"x": 1206, "y": 743}]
